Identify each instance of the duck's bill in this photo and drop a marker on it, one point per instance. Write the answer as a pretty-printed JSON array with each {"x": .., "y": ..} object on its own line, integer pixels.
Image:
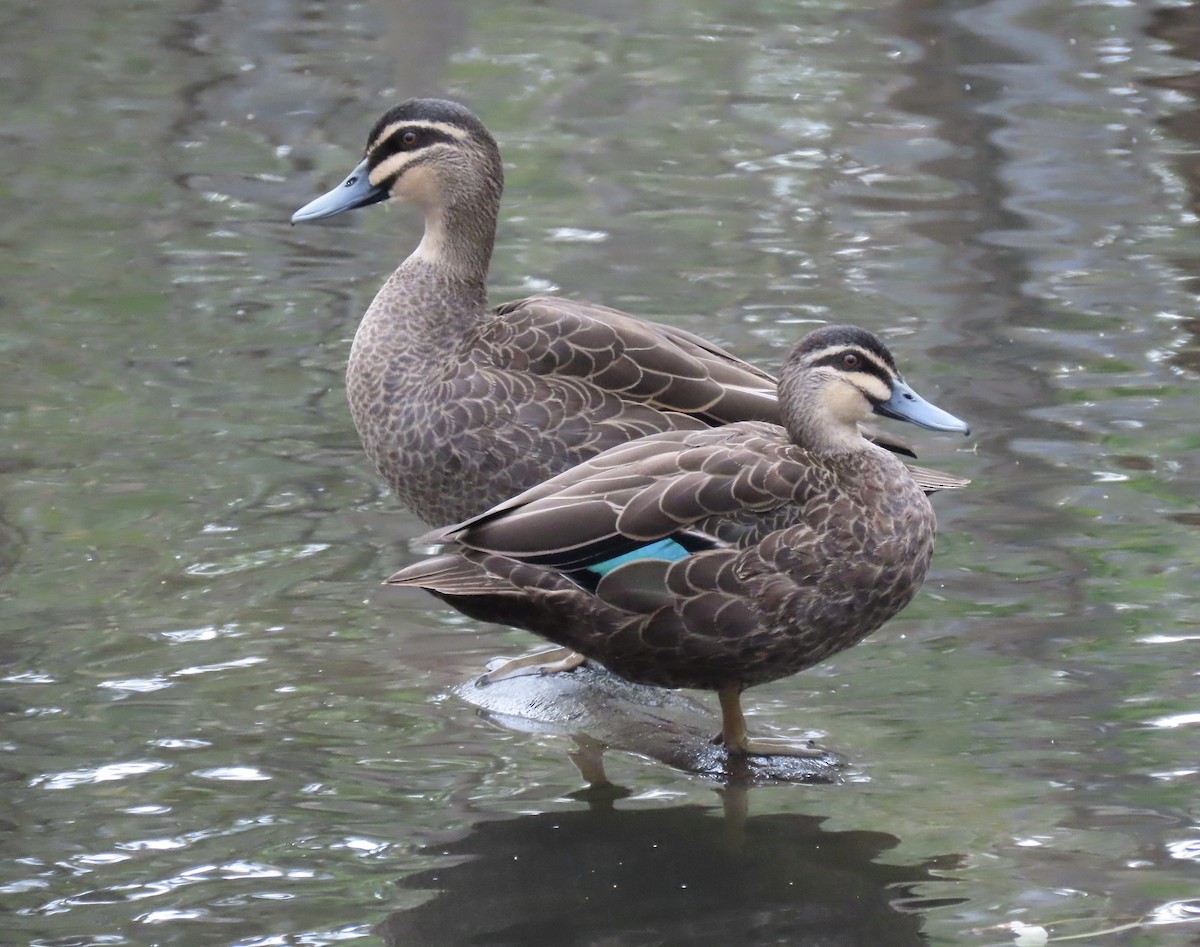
[
  {"x": 906, "y": 405},
  {"x": 356, "y": 191}
]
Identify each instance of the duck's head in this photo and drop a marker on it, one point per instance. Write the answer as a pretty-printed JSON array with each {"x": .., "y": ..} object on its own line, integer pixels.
[
  {"x": 838, "y": 375},
  {"x": 431, "y": 152}
]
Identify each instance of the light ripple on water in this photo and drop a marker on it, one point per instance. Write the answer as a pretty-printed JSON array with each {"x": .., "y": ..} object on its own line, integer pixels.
[
  {"x": 117, "y": 894},
  {"x": 137, "y": 685},
  {"x": 254, "y": 560},
  {"x": 110, "y": 772},
  {"x": 1167, "y": 639},
  {"x": 363, "y": 846},
  {"x": 220, "y": 666},
  {"x": 147, "y": 685},
  {"x": 203, "y": 633},
  {"x": 576, "y": 235},
  {"x": 29, "y": 677},
  {"x": 160, "y": 917},
  {"x": 1171, "y": 721},
  {"x": 1186, "y": 849},
  {"x": 161, "y": 844},
  {"x": 1175, "y": 911},
  {"x": 181, "y": 744},
  {"x": 235, "y": 773}
]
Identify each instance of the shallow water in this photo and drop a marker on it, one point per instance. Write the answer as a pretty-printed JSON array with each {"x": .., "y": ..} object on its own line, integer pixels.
[{"x": 219, "y": 729}]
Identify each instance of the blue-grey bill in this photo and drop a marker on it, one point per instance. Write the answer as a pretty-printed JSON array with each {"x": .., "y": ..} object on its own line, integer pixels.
[
  {"x": 356, "y": 191},
  {"x": 906, "y": 405}
]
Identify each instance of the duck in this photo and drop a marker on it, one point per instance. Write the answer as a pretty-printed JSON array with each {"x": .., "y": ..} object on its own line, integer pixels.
[
  {"x": 719, "y": 558},
  {"x": 460, "y": 405}
]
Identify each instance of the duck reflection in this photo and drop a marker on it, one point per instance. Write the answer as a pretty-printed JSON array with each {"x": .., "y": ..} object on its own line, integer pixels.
[{"x": 603, "y": 875}]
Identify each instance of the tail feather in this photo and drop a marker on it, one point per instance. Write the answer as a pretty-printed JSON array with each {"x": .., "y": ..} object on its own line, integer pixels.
[
  {"x": 931, "y": 481},
  {"x": 451, "y": 574}
]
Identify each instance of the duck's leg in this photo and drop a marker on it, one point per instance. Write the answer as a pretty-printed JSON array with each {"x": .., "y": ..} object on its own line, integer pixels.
[
  {"x": 588, "y": 757},
  {"x": 544, "y": 662},
  {"x": 733, "y": 732}
]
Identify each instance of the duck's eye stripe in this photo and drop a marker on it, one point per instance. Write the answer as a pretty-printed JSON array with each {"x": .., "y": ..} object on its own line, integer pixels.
[
  {"x": 394, "y": 143},
  {"x": 867, "y": 363}
]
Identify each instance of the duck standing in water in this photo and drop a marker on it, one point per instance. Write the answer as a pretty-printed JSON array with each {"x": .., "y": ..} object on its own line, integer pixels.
[
  {"x": 719, "y": 558},
  {"x": 461, "y": 406}
]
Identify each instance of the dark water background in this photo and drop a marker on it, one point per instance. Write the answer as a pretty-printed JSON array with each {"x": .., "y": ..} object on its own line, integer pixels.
[{"x": 218, "y": 729}]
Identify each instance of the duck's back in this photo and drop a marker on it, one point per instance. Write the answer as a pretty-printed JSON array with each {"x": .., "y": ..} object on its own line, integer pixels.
[{"x": 460, "y": 408}]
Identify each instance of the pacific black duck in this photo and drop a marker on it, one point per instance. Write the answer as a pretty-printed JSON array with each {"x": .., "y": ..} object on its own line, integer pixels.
[
  {"x": 461, "y": 406},
  {"x": 719, "y": 558}
]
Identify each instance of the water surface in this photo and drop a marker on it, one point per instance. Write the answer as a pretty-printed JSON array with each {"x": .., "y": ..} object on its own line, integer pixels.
[{"x": 219, "y": 729}]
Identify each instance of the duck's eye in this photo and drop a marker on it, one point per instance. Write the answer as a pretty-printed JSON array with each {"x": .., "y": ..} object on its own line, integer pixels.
[
  {"x": 850, "y": 360},
  {"x": 409, "y": 138}
]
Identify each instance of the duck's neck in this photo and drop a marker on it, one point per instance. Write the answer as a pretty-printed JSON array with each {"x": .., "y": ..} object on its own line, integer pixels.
[
  {"x": 823, "y": 419},
  {"x": 460, "y": 233},
  {"x": 439, "y": 294},
  {"x": 834, "y": 441}
]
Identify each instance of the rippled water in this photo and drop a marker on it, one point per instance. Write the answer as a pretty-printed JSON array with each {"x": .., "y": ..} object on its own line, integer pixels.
[{"x": 219, "y": 729}]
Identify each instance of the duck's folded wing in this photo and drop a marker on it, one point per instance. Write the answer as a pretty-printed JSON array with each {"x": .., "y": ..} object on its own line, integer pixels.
[
  {"x": 651, "y": 489},
  {"x": 451, "y": 574},
  {"x": 931, "y": 481},
  {"x": 664, "y": 366}
]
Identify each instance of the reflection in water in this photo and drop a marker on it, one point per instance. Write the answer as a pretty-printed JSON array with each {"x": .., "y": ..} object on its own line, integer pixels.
[
  {"x": 1180, "y": 27},
  {"x": 10, "y": 547},
  {"x": 662, "y": 876}
]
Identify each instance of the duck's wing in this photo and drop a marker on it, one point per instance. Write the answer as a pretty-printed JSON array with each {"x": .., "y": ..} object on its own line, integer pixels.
[
  {"x": 931, "y": 481},
  {"x": 666, "y": 367},
  {"x": 650, "y": 489}
]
